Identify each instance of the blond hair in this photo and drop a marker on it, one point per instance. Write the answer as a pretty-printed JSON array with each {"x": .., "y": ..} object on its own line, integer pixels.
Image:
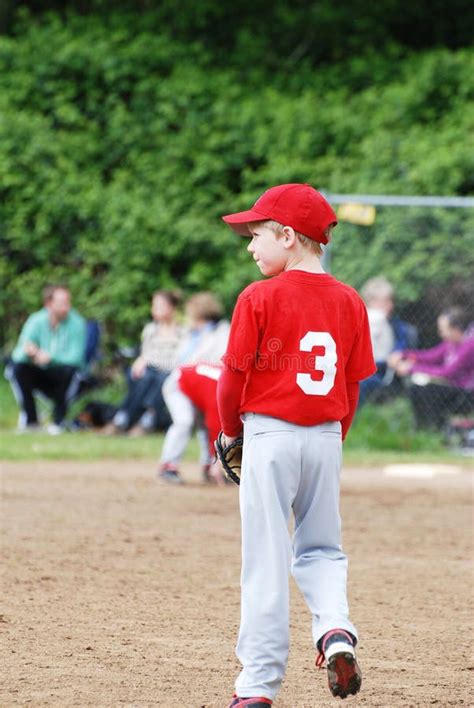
[
  {"x": 204, "y": 306},
  {"x": 307, "y": 242}
]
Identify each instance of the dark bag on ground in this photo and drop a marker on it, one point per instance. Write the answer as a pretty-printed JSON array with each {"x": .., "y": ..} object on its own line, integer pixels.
[{"x": 95, "y": 414}]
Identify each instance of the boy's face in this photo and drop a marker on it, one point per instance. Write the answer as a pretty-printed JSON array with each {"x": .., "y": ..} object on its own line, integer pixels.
[{"x": 267, "y": 250}]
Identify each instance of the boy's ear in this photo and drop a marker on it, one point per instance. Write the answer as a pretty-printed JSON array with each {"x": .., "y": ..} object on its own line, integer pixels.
[{"x": 289, "y": 236}]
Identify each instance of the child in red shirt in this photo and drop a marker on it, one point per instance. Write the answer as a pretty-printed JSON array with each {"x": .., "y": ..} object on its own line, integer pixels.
[
  {"x": 199, "y": 383},
  {"x": 194, "y": 404},
  {"x": 298, "y": 347}
]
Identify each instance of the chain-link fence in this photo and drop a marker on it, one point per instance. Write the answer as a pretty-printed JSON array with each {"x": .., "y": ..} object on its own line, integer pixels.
[
  {"x": 425, "y": 357},
  {"x": 413, "y": 265}
]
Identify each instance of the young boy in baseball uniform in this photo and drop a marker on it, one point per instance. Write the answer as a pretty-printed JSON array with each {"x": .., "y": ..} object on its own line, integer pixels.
[{"x": 299, "y": 345}]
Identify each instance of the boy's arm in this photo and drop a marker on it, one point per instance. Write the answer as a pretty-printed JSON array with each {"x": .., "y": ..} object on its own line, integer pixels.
[
  {"x": 352, "y": 397},
  {"x": 241, "y": 351},
  {"x": 229, "y": 393}
]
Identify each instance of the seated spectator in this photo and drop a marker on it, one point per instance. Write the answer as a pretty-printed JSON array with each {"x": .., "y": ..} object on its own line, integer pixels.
[
  {"x": 388, "y": 333},
  {"x": 205, "y": 344},
  {"x": 50, "y": 350},
  {"x": 143, "y": 408},
  {"x": 442, "y": 378},
  {"x": 207, "y": 335}
]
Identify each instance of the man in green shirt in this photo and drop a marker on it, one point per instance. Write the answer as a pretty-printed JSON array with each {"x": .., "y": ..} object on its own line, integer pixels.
[{"x": 49, "y": 351}]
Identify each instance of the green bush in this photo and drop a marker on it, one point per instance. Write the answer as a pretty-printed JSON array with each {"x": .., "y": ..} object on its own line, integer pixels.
[{"x": 121, "y": 146}]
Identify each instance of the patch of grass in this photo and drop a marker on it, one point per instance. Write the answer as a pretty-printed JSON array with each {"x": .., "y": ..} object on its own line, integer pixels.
[
  {"x": 88, "y": 446},
  {"x": 8, "y": 406},
  {"x": 76, "y": 446},
  {"x": 379, "y": 458},
  {"x": 391, "y": 427},
  {"x": 85, "y": 446},
  {"x": 380, "y": 435}
]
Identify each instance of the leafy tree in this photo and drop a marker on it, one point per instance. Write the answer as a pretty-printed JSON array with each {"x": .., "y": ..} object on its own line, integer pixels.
[{"x": 121, "y": 147}]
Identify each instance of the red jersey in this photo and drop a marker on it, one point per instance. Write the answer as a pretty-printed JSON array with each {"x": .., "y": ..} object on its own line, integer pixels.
[
  {"x": 300, "y": 337},
  {"x": 199, "y": 384}
]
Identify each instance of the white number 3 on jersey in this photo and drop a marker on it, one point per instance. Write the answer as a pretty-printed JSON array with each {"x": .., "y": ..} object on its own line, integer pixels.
[{"x": 325, "y": 363}]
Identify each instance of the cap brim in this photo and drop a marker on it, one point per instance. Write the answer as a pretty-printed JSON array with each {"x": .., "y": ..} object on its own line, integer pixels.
[{"x": 238, "y": 222}]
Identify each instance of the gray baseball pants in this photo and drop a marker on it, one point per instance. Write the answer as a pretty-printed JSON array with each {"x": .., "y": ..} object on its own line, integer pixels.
[{"x": 288, "y": 467}]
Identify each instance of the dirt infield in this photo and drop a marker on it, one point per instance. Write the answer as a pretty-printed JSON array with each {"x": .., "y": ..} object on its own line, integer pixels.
[{"x": 119, "y": 591}]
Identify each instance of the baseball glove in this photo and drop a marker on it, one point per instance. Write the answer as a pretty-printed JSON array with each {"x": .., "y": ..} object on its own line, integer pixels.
[{"x": 229, "y": 457}]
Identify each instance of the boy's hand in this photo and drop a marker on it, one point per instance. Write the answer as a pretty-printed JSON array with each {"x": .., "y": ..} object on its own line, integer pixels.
[
  {"x": 228, "y": 440},
  {"x": 216, "y": 474},
  {"x": 229, "y": 454}
]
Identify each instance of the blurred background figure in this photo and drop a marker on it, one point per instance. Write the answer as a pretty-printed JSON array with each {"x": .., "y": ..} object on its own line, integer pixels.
[
  {"x": 388, "y": 334},
  {"x": 207, "y": 331},
  {"x": 205, "y": 344},
  {"x": 196, "y": 403},
  {"x": 49, "y": 352},
  {"x": 442, "y": 378},
  {"x": 143, "y": 409}
]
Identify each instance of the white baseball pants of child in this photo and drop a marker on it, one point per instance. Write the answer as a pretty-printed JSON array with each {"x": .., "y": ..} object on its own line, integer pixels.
[
  {"x": 288, "y": 467},
  {"x": 185, "y": 417}
]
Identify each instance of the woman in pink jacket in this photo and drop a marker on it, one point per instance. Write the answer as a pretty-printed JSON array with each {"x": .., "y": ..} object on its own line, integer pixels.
[{"x": 442, "y": 378}]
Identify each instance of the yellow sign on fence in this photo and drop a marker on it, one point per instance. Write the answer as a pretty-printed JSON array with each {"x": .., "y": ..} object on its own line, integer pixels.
[{"x": 362, "y": 214}]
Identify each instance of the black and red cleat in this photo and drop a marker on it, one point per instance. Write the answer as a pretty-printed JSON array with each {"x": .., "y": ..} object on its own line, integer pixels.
[
  {"x": 344, "y": 675},
  {"x": 259, "y": 702}
]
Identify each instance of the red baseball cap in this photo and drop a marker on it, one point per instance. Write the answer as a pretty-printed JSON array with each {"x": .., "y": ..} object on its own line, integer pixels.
[{"x": 297, "y": 205}]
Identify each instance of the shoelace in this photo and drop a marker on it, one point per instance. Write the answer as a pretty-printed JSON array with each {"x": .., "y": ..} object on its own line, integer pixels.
[{"x": 320, "y": 660}]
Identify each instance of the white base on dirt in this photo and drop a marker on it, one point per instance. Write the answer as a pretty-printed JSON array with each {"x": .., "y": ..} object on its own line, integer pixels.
[{"x": 419, "y": 471}]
